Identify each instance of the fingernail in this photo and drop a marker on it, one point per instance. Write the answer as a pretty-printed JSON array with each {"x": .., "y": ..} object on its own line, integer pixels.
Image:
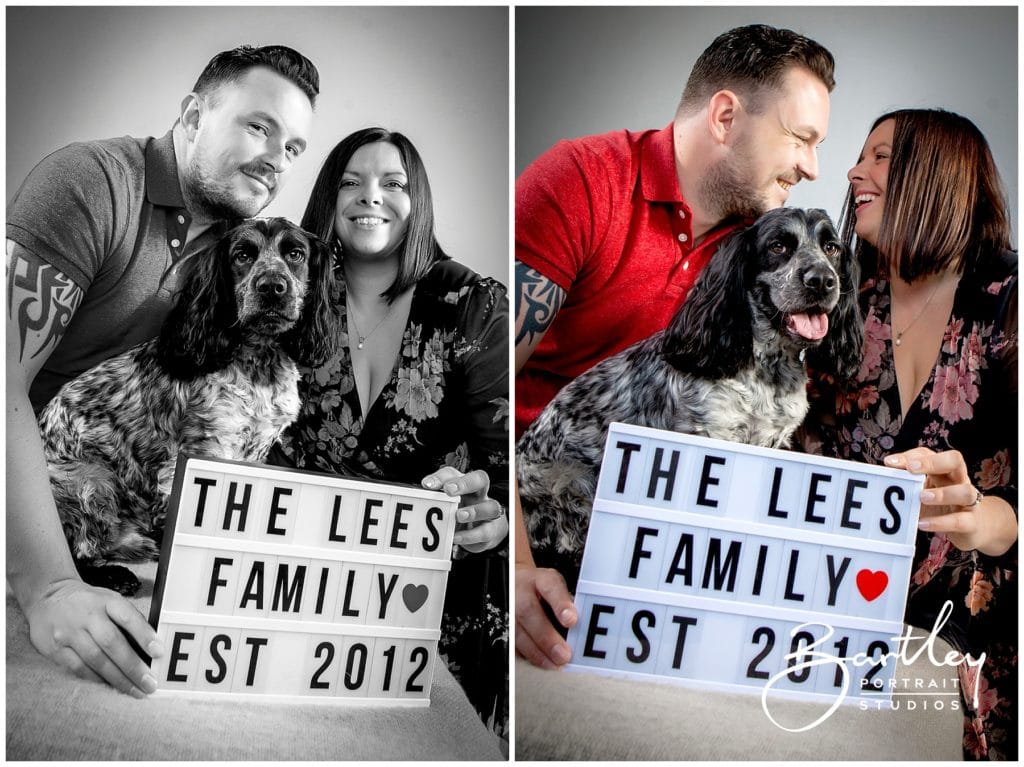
[
  {"x": 915, "y": 465},
  {"x": 457, "y": 539},
  {"x": 155, "y": 649},
  {"x": 925, "y": 524},
  {"x": 568, "y": 615},
  {"x": 451, "y": 488},
  {"x": 927, "y": 496},
  {"x": 148, "y": 684},
  {"x": 431, "y": 483},
  {"x": 561, "y": 654},
  {"x": 135, "y": 692},
  {"x": 892, "y": 460},
  {"x": 462, "y": 515}
]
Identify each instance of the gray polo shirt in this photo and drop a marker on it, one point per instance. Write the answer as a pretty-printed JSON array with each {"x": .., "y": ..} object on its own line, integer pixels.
[{"x": 110, "y": 216}]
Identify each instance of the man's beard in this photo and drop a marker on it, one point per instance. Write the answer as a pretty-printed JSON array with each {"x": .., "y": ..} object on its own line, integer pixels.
[
  {"x": 209, "y": 197},
  {"x": 726, "y": 188}
]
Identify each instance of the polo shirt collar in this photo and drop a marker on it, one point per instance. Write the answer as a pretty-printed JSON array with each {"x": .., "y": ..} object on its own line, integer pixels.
[
  {"x": 162, "y": 186},
  {"x": 658, "y": 167}
]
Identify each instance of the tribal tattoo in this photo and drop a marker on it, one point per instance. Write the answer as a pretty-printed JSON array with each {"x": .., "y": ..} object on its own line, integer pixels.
[
  {"x": 40, "y": 299},
  {"x": 538, "y": 300}
]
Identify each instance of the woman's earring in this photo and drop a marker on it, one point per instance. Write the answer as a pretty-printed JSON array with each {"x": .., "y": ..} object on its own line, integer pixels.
[{"x": 336, "y": 251}]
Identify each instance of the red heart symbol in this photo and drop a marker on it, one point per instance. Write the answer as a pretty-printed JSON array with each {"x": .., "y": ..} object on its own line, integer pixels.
[{"x": 871, "y": 584}]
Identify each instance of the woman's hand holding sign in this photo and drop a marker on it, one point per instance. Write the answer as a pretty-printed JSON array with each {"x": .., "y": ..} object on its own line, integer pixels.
[
  {"x": 482, "y": 523},
  {"x": 951, "y": 504}
]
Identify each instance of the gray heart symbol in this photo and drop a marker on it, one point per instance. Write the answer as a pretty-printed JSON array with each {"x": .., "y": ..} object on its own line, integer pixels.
[{"x": 414, "y": 596}]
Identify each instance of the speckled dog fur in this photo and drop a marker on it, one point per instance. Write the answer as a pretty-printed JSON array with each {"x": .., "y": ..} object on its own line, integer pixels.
[
  {"x": 220, "y": 380},
  {"x": 726, "y": 367}
]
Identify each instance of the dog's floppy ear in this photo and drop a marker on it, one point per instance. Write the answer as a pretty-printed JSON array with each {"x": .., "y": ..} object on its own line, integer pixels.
[
  {"x": 314, "y": 338},
  {"x": 711, "y": 335},
  {"x": 841, "y": 351},
  {"x": 197, "y": 338}
]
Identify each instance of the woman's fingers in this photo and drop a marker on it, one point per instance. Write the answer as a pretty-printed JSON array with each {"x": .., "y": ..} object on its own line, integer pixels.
[
  {"x": 923, "y": 460},
  {"x": 964, "y": 494},
  {"x": 957, "y": 523},
  {"x": 479, "y": 512},
  {"x": 436, "y": 480},
  {"x": 483, "y": 536}
]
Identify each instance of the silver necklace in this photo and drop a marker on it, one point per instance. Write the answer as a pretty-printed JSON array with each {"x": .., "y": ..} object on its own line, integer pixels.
[
  {"x": 899, "y": 333},
  {"x": 352, "y": 315}
]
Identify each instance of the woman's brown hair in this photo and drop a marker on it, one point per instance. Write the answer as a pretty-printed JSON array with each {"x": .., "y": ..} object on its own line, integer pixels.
[
  {"x": 945, "y": 203},
  {"x": 420, "y": 249}
]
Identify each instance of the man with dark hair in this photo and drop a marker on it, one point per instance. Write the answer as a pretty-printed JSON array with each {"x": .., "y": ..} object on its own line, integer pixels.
[
  {"x": 95, "y": 238},
  {"x": 612, "y": 231},
  {"x": 231, "y": 66}
]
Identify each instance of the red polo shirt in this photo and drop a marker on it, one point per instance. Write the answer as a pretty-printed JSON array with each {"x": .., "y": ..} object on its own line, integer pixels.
[{"x": 603, "y": 218}]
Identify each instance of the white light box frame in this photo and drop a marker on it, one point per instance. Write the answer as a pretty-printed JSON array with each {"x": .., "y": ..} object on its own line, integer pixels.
[
  {"x": 294, "y": 586},
  {"x": 721, "y": 565}
]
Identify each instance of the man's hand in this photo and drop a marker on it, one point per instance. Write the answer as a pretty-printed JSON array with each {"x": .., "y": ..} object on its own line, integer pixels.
[
  {"x": 80, "y": 628},
  {"x": 537, "y": 640},
  {"x": 538, "y": 300},
  {"x": 75, "y": 625}
]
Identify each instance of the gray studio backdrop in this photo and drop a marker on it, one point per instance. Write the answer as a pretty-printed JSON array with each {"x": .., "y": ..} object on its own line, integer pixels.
[
  {"x": 439, "y": 75},
  {"x": 581, "y": 71}
]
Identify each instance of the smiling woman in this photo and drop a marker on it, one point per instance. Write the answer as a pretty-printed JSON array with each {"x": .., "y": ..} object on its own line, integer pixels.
[
  {"x": 419, "y": 385},
  {"x": 937, "y": 390},
  {"x": 373, "y": 202}
]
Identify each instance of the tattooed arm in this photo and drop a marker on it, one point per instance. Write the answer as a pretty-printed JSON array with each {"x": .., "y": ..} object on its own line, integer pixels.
[
  {"x": 75, "y": 625},
  {"x": 538, "y": 300}
]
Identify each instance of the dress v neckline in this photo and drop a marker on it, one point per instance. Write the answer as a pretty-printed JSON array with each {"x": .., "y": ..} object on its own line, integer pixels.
[
  {"x": 390, "y": 382},
  {"x": 915, "y": 403}
]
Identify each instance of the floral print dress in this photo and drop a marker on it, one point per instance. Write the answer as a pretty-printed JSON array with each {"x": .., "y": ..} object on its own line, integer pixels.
[
  {"x": 969, "y": 404},
  {"x": 446, "y": 403}
]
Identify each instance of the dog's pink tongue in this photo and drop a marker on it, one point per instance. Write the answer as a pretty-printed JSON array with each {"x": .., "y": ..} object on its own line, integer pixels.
[{"x": 810, "y": 326}]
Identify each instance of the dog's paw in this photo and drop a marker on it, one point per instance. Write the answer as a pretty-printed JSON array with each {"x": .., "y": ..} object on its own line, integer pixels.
[{"x": 114, "y": 577}]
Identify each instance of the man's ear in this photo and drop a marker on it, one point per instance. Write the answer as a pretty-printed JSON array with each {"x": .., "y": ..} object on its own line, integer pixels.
[
  {"x": 191, "y": 108},
  {"x": 723, "y": 107}
]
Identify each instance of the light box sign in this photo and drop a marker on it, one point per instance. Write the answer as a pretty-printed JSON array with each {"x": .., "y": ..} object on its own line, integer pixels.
[
  {"x": 300, "y": 587},
  {"x": 733, "y": 567}
]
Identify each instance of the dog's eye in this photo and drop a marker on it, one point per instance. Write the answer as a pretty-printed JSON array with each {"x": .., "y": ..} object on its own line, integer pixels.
[
  {"x": 295, "y": 255},
  {"x": 241, "y": 257},
  {"x": 831, "y": 248},
  {"x": 777, "y": 248}
]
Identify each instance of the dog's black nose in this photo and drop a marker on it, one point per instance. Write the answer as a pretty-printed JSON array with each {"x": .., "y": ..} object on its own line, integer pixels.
[
  {"x": 271, "y": 285},
  {"x": 819, "y": 278}
]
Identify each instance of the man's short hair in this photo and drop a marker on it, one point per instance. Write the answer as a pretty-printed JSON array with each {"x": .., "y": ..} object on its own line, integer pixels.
[
  {"x": 230, "y": 66},
  {"x": 752, "y": 60}
]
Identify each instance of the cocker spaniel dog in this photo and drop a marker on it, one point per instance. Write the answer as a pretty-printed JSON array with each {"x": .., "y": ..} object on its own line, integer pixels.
[
  {"x": 220, "y": 380},
  {"x": 730, "y": 365}
]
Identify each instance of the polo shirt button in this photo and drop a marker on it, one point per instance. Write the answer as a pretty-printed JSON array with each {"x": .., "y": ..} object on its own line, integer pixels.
[
  {"x": 181, "y": 219},
  {"x": 686, "y": 264},
  {"x": 683, "y": 238},
  {"x": 175, "y": 242},
  {"x": 682, "y": 214}
]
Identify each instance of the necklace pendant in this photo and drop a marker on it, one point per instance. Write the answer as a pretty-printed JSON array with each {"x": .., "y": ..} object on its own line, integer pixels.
[
  {"x": 899, "y": 339},
  {"x": 360, "y": 344}
]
